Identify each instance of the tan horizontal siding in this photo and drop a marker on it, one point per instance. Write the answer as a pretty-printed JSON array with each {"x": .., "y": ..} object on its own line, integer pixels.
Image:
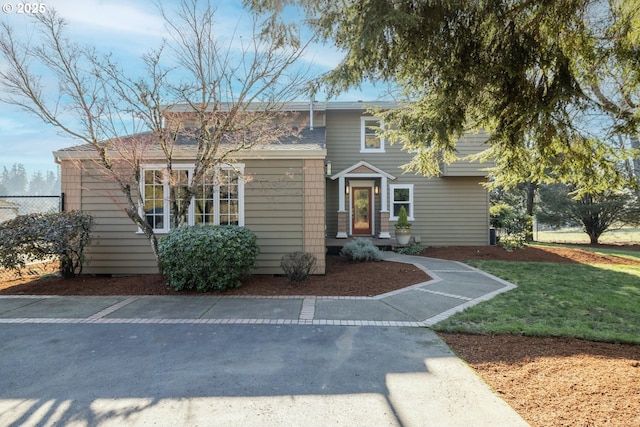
[
  {"x": 278, "y": 236},
  {"x": 116, "y": 247},
  {"x": 273, "y": 211},
  {"x": 343, "y": 145},
  {"x": 112, "y": 246},
  {"x": 451, "y": 210},
  {"x": 469, "y": 144},
  {"x": 110, "y": 252},
  {"x": 269, "y": 221}
]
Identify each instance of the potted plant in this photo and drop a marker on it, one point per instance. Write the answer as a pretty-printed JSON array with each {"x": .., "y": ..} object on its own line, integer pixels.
[{"x": 403, "y": 228}]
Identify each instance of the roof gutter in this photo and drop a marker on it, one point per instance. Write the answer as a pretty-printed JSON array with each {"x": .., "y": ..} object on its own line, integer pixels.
[{"x": 268, "y": 152}]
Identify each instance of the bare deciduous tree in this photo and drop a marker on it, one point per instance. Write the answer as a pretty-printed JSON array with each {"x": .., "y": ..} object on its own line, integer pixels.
[{"x": 197, "y": 95}]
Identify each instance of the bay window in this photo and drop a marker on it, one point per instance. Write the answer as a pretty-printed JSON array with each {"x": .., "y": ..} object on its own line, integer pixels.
[{"x": 218, "y": 198}]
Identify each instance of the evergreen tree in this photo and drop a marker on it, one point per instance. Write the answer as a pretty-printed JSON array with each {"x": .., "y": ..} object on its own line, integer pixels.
[
  {"x": 597, "y": 213},
  {"x": 38, "y": 185},
  {"x": 15, "y": 180},
  {"x": 53, "y": 182},
  {"x": 534, "y": 74},
  {"x": 4, "y": 178}
]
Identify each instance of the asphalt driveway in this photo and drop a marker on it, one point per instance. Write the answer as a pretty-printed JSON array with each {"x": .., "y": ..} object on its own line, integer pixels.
[{"x": 238, "y": 375}]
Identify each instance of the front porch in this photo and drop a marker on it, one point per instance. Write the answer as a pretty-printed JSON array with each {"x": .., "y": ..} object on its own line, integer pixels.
[{"x": 362, "y": 192}]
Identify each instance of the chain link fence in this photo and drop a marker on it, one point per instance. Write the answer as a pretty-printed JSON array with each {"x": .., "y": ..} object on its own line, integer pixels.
[{"x": 11, "y": 207}]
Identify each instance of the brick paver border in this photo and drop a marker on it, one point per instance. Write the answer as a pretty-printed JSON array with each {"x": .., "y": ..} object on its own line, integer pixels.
[{"x": 307, "y": 311}]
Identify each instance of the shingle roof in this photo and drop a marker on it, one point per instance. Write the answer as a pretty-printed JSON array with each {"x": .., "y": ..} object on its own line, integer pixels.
[
  {"x": 298, "y": 106},
  {"x": 306, "y": 138}
]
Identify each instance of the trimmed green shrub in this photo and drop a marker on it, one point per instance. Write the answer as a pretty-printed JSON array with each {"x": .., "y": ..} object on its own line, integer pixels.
[
  {"x": 403, "y": 219},
  {"x": 298, "y": 265},
  {"x": 412, "y": 248},
  {"x": 361, "y": 250},
  {"x": 513, "y": 227},
  {"x": 207, "y": 258},
  {"x": 35, "y": 237}
]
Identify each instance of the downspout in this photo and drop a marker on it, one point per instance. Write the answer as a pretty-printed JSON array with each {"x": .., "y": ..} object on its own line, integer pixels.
[
  {"x": 311, "y": 113},
  {"x": 57, "y": 161}
]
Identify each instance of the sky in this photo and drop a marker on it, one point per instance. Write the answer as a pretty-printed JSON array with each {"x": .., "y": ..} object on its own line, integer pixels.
[{"x": 128, "y": 29}]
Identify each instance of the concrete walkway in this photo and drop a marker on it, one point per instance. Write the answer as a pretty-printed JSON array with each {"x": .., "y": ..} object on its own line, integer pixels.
[
  {"x": 218, "y": 361},
  {"x": 454, "y": 286}
]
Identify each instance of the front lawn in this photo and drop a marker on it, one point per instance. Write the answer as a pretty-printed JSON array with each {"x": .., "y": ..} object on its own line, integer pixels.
[
  {"x": 593, "y": 302},
  {"x": 624, "y": 235}
]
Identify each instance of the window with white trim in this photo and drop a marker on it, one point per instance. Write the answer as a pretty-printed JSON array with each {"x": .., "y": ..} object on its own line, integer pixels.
[
  {"x": 218, "y": 199},
  {"x": 370, "y": 141},
  {"x": 401, "y": 195}
]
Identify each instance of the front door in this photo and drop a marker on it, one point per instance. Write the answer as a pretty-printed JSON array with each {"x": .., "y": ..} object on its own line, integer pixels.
[{"x": 361, "y": 210}]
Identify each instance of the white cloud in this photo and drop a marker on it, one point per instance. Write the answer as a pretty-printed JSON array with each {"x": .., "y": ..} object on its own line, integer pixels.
[
  {"x": 122, "y": 18},
  {"x": 326, "y": 57},
  {"x": 11, "y": 126}
]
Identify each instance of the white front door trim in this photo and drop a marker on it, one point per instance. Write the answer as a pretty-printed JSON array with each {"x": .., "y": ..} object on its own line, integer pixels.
[{"x": 362, "y": 183}]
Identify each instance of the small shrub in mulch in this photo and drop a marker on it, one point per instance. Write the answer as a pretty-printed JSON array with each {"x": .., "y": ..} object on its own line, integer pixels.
[{"x": 361, "y": 250}]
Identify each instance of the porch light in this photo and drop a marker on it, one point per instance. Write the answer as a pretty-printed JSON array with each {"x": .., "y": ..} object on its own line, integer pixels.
[
  {"x": 376, "y": 189},
  {"x": 346, "y": 189},
  {"x": 327, "y": 167}
]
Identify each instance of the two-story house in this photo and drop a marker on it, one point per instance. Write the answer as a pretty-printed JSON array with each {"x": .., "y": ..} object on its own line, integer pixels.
[{"x": 337, "y": 179}]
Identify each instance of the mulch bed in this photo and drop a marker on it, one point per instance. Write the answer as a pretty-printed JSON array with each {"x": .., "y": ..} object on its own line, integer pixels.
[
  {"x": 558, "y": 381},
  {"x": 576, "y": 254},
  {"x": 342, "y": 278}
]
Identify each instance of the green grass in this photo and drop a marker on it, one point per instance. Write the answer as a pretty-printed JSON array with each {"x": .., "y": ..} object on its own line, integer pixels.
[
  {"x": 575, "y": 235},
  {"x": 593, "y": 302}
]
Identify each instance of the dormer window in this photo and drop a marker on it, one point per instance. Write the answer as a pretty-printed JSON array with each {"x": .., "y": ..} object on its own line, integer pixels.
[{"x": 370, "y": 140}]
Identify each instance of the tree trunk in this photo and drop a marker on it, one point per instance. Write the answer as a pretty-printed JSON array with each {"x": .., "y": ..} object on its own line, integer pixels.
[
  {"x": 635, "y": 144},
  {"x": 153, "y": 241},
  {"x": 531, "y": 192},
  {"x": 132, "y": 212}
]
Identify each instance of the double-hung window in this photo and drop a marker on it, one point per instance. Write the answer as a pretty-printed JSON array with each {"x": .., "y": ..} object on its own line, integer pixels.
[
  {"x": 401, "y": 195},
  {"x": 370, "y": 140},
  {"x": 218, "y": 198}
]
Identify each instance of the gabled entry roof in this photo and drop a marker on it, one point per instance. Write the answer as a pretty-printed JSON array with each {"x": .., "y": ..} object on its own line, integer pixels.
[{"x": 362, "y": 168}]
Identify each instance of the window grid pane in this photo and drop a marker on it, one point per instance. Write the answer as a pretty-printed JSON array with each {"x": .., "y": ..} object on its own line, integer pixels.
[
  {"x": 229, "y": 198},
  {"x": 154, "y": 198},
  {"x": 397, "y": 206},
  {"x": 204, "y": 204},
  {"x": 177, "y": 190},
  {"x": 371, "y": 140},
  {"x": 216, "y": 200},
  {"x": 401, "y": 196},
  {"x": 204, "y": 200}
]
